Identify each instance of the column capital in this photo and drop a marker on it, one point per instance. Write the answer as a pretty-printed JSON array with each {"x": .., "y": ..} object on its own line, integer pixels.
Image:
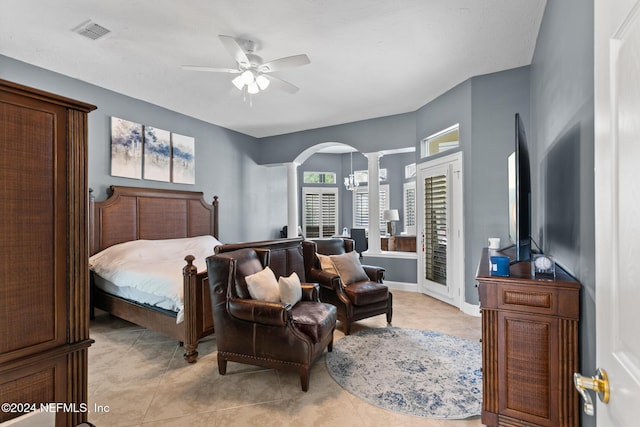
[{"x": 373, "y": 155}]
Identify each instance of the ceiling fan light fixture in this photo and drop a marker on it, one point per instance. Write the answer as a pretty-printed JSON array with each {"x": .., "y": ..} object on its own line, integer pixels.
[
  {"x": 253, "y": 88},
  {"x": 247, "y": 77},
  {"x": 252, "y": 73},
  {"x": 237, "y": 82},
  {"x": 262, "y": 82}
]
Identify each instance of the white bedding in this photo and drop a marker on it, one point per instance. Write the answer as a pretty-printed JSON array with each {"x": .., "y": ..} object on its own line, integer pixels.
[{"x": 151, "y": 270}]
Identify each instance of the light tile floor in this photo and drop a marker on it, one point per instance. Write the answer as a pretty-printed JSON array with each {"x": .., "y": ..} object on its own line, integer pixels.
[{"x": 138, "y": 378}]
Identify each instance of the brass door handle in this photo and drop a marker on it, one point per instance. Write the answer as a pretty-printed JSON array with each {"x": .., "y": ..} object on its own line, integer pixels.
[{"x": 598, "y": 383}]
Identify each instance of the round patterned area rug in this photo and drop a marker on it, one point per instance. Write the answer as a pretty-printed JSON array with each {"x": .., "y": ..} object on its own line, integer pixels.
[{"x": 422, "y": 373}]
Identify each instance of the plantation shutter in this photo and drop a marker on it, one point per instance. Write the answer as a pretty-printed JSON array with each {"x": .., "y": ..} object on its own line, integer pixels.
[
  {"x": 320, "y": 212},
  {"x": 311, "y": 223},
  {"x": 329, "y": 218},
  {"x": 361, "y": 210},
  {"x": 435, "y": 228},
  {"x": 384, "y": 205},
  {"x": 410, "y": 208}
]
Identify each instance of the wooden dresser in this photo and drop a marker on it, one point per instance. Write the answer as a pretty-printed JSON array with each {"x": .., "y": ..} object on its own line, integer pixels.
[
  {"x": 44, "y": 276},
  {"x": 529, "y": 347}
]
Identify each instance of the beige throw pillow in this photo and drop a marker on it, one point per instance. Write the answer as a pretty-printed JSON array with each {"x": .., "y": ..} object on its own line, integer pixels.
[
  {"x": 290, "y": 289},
  {"x": 263, "y": 286},
  {"x": 326, "y": 264},
  {"x": 349, "y": 268}
]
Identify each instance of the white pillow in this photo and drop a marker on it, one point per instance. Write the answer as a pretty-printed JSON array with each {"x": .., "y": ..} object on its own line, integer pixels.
[
  {"x": 349, "y": 268},
  {"x": 290, "y": 289},
  {"x": 326, "y": 263},
  {"x": 263, "y": 286}
]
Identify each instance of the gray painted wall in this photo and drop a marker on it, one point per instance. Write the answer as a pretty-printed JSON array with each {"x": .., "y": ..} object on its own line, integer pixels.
[
  {"x": 250, "y": 194},
  {"x": 495, "y": 99},
  {"x": 366, "y": 136},
  {"x": 397, "y": 269},
  {"x": 562, "y": 118},
  {"x": 485, "y": 108}
]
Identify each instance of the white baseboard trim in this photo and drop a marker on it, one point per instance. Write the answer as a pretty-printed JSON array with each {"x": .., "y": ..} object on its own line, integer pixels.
[
  {"x": 470, "y": 309},
  {"x": 401, "y": 286}
]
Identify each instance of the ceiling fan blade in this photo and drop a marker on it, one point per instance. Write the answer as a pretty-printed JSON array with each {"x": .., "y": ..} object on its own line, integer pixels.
[
  {"x": 282, "y": 63},
  {"x": 211, "y": 69},
  {"x": 234, "y": 48},
  {"x": 281, "y": 84}
]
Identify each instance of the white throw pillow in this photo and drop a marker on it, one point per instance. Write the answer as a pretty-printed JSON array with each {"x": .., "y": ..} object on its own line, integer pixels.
[
  {"x": 263, "y": 286},
  {"x": 349, "y": 268},
  {"x": 326, "y": 264},
  {"x": 290, "y": 289}
]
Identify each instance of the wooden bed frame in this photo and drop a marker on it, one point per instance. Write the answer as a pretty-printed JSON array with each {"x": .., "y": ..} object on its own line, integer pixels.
[{"x": 132, "y": 213}]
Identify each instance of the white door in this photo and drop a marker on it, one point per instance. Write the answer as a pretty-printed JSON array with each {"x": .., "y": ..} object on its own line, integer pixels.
[
  {"x": 439, "y": 228},
  {"x": 617, "y": 206}
]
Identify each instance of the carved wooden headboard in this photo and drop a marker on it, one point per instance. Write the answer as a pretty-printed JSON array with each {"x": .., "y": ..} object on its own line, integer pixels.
[{"x": 132, "y": 213}]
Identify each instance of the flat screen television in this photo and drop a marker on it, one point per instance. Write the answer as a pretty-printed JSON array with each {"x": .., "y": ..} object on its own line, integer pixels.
[{"x": 520, "y": 195}]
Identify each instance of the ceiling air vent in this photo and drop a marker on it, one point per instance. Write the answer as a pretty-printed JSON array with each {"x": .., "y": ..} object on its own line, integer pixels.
[{"x": 91, "y": 30}]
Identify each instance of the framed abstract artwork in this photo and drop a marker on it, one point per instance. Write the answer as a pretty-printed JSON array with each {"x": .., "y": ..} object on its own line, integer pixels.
[
  {"x": 126, "y": 148},
  {"x": 157, "y": 154},
  {"x": 183, "y": 159},
  {"x": 140, "y": 151}
]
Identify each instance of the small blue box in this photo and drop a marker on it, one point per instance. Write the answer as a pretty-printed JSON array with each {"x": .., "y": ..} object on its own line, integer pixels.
[{"x": 499, "y": 266}]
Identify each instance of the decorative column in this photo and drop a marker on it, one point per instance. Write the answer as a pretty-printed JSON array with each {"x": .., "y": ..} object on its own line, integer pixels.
[
  {"x": 374, "y": 202},
  {"x": 292, "y": 199}
]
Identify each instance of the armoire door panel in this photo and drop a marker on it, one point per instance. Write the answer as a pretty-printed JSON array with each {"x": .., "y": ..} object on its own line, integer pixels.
[{"x": 33, "y": 227}]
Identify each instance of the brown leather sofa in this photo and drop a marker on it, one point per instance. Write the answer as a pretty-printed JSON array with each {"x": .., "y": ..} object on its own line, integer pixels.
[
  {"x": 356, "y": 301},
  {"x": 272, "y": 335}
]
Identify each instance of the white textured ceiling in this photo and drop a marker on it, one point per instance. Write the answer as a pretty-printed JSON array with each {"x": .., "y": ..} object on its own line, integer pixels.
[{"x": 369, "y": 58}]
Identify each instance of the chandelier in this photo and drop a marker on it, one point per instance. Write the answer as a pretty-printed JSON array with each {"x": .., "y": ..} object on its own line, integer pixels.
[{"x": 351, "y": 182}]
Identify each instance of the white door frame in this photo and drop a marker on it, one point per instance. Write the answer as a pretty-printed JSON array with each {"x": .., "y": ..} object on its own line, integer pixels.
[{"x": 454, "y": 292}]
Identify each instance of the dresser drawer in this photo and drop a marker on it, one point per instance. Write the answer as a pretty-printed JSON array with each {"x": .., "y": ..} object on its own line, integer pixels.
[{"x": 545, "y": 299}]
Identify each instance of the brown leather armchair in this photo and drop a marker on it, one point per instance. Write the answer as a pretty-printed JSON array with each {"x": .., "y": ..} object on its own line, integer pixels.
[
  {"x": 356, "y": 301},
  {"x": 272, "y": 335}
]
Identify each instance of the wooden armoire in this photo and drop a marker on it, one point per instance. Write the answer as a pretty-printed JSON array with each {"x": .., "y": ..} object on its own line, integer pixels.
[{"x": 44, "y": 276}]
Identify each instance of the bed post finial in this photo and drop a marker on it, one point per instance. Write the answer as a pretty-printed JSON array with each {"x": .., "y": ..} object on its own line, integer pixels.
[{"x": 189, "y": 268}]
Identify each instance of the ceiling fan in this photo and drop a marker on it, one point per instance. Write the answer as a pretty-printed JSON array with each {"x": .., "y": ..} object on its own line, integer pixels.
[{"x": 254, "y": 75}]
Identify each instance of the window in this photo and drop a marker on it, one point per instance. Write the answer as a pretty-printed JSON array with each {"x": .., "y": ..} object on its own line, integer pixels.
[
  {"x": 409, "y": 205},
  {"x": 319, "y": 178},
  {"x": 361, "y": 207},
  {"x": 319, "y": 212},
  {"x": 363, "y": 175},
  {"x": 444, "y": 140}
]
